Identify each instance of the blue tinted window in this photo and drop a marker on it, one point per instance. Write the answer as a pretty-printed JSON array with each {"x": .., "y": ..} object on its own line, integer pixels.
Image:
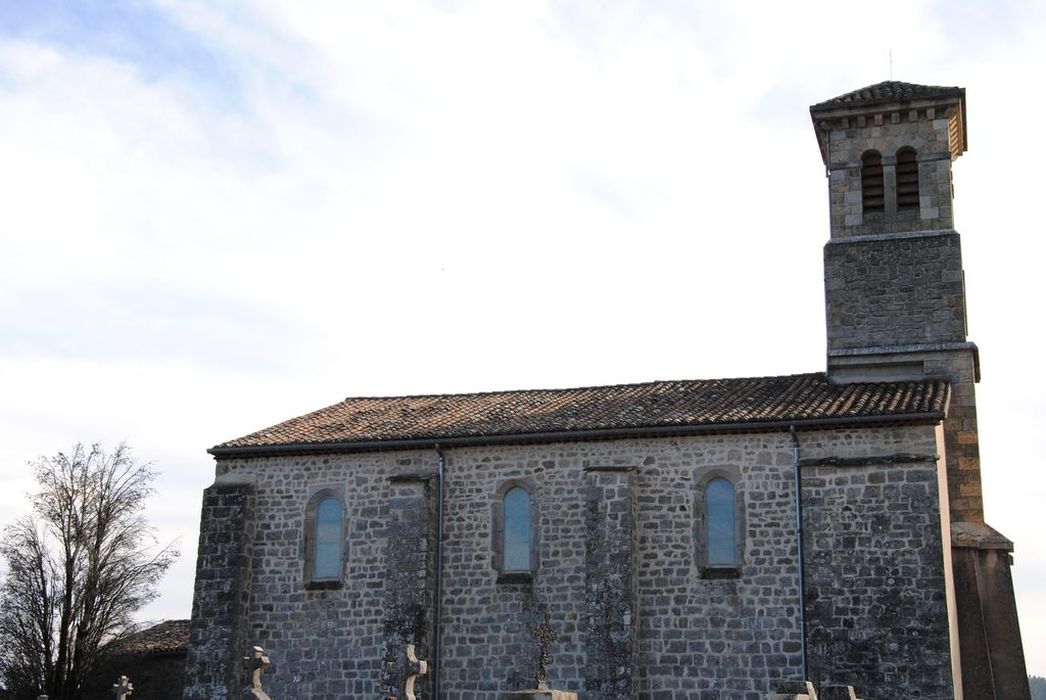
[
  {"x": 517, "y": 531},
  {"x": 720, "y": 518},
  {"x": 327, "y": 552}
]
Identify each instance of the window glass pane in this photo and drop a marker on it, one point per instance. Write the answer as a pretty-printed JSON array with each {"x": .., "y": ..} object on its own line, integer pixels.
[
  {"x": 719, "y": 511},
  {"x": 517, "y": 531},
  {"x": 327, "y": 552}
]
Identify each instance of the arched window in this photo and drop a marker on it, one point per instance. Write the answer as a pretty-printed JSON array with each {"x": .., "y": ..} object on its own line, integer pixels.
[
  {"x": 516, "y": 548},
  {"x": 873, "y": 193},
  {"x": 720, "y": 523},
  {"x": 514, "y": 532},
  {"x": 907, "y": 179},
  {"x": 327, "y": 552},
  {"x": 324, "y": 540}
]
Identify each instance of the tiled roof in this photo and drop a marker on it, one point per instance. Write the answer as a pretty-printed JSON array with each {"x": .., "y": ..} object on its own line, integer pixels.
[
  {"x": 590, "y": 411},
  {"x": 889, "y": 91},
  {"x": 163, "y": 638}
]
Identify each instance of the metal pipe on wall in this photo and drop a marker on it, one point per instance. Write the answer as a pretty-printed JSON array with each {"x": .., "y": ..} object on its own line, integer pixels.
[
  {"x": 799, "y": 542},
  {"x": 437, "y": 666}
]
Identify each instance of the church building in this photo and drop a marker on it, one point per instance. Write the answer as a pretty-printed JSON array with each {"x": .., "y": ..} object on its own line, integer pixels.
[{"x": 709, "y": 539}]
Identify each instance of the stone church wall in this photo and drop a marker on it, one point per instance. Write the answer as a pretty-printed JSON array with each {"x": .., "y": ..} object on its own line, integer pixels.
[
  {"x": 618, "y": 565},
  {"x": 877, "y": 574}
]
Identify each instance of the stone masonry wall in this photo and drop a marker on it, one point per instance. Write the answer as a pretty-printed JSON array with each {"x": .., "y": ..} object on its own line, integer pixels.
[
  {"x": 323, "y": 643},
  {"x": 898, "y": 291},
  {"x": 877, "y": 615},
  {"x": 410, "y": 565},
  {"x": 717, "y": 638},
  {"x": 680, "y": 635},
  {"x": 217, "y": 635},
  {"x": 696, "y": 638},
  {"x": 610, "y": 582}
]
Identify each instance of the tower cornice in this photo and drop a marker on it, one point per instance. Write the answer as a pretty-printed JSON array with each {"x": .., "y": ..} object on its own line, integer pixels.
[{"x": 891, "y": 102}]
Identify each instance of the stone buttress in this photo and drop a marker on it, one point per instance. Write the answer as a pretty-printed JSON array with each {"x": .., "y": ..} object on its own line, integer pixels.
[
  {"x": 610, "y": 582},
  {"x": 221, "y": 599},
  {"x": 410, "y": 576}
]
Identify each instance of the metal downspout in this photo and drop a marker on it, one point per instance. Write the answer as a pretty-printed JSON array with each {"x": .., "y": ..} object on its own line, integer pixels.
[
  {"x": 437, "y": 665},
  {"x": 799, "y": 542}
]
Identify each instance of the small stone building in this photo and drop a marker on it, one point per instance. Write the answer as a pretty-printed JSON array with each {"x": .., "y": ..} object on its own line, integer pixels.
[
  {"x": 153, "y": 659},
  {"x": 689, "y": 539}
]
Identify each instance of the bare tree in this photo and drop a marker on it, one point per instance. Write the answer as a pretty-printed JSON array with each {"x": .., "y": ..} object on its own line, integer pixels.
[{"x": 77, "y": 570}]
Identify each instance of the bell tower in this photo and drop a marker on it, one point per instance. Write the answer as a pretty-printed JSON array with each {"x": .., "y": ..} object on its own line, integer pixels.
[
  {"x": 895, "y": 300},
  {"x": 896, "y": 310}
]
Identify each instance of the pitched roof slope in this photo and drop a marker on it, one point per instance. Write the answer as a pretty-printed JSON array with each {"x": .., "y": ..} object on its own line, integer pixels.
[
  {"x": 167, "y": 637},
  {"x": 605, "y": 409},
  {"x": 890, "y": 91}
]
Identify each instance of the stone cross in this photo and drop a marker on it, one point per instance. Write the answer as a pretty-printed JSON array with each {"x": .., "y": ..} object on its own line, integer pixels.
[
  {"x": 122, "y": 688},
  {"x": 256, "y": 662},
  {"x": 545, "y": 635},
  {"x": 415, "y": 668}
]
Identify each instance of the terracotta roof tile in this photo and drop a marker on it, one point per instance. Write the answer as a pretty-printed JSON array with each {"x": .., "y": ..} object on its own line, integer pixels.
[
  {"x": 889, "y": 91},
  {"x": 162, "y": 638},
  {"x": 663, "y": 404}
]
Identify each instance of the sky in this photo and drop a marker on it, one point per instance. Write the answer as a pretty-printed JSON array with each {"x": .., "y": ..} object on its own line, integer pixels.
[{"x": 217, "y": 216}]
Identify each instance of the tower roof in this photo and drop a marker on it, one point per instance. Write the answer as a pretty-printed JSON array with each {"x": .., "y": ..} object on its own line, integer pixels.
[
  {"x": 892, "y": 96},
  {"x": 890, "y": 91}
]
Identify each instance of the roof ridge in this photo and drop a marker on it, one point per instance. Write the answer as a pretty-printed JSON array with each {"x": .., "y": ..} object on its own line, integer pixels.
[
  {"x": 889, "y": 91},
  {"x": 652, "y": 382}
]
